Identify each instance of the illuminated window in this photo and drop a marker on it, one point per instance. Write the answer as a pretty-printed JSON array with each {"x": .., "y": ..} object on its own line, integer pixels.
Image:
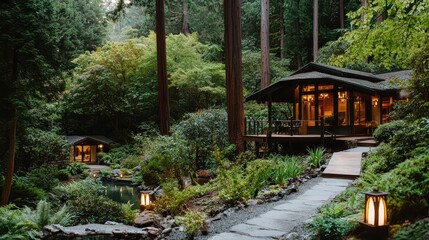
[
  {"x": 359, "y": 110},
  {"x": 386, "y": 109},
  {"x": 343, "y": 109},
  {"x": 308, "y": 88},
  {"x": 325, "y": 87},
  {"x": 308, "y": 109},
  {"x": 326, "y": 107}
]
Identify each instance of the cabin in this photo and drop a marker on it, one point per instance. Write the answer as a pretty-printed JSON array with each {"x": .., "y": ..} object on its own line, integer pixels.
[
  {"x": 84, "y": 149},
  {"x": 327, "y": 100}
]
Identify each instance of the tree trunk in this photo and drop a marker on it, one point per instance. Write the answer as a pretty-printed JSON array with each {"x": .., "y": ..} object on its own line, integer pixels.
[
  {"x": 163, "y": 98},
  {"x": 282, "y": 31},
  {"x": 11, "y": 165},
  {"x": 364, "y": 4},
  {"x": 265, "y": 43},
  {"x": 315, "y": 29},
  {"x": 185, "y": 19},
  {"x": 234, "y": 84},
  {"x": 298, "y": 32},
  {"x": 342, "y": 14}
]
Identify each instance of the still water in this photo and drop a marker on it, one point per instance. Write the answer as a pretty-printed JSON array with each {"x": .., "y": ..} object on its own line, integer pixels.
[{"x": 122, "y": 193}]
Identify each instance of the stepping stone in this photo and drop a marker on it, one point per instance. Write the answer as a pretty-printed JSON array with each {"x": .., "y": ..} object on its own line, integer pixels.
[
  {"x": 280, "y": 225},
  {"x": 235, "y": 236},
  {"x": 328, "y": 188},
  {"x": 299, "y": 207},
  {"x": 256, "y": 231},
  {"x": 282, "y": 215},
  {"x": 316, "y": 195},
  {"x": 335, "y": 182},
  {"x": 311, "y": 203}
]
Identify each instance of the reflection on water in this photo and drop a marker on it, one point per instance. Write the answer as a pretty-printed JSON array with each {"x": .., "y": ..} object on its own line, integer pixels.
[{"x": 122, "y": 193}]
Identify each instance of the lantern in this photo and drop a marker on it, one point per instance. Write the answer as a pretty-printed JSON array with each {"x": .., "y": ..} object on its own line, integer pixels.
[
  {"x": 144, "y": 200},
  {"x": 375, "y": 218},
  {"x": 94, "y": 174},
  {"x": 121, "y": 175}
]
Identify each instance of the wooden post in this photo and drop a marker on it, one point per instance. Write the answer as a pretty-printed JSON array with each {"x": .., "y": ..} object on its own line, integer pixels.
[
  {"x": 291, "y": 126},
  {"x": 342, "y": 14},
  {"x": 163, "y": 97},
  {"x": 234, "y": 85},
  {"x": 265, "y": 43},
  {"x": 322, "y": 134},
  {"x": 270, "y": 124},
  {"x": 315, "y": 29}
]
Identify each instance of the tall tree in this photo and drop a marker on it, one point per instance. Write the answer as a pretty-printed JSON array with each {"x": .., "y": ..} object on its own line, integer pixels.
[
  {"x": 234, "y": 85},
  {"x": 265, "y": 43},
  {"x": 164, "y": 105},
  {"x": 315, "y": 29}
]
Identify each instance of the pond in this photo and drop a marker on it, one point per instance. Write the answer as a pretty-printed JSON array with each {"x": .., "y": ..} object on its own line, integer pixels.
[{"x": 122, "y": 193}]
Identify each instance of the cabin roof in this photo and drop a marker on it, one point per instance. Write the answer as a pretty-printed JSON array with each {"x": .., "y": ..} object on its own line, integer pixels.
[
  {"x": 75, "y": 139},
  {"x": 283, "y": 90}
]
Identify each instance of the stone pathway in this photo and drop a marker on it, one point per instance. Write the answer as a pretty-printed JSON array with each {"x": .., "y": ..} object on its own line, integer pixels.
[{"x": 283, "y": 218}]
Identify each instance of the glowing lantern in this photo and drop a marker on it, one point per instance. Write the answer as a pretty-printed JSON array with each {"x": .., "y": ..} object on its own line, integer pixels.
[
  {"x": 376, "y": 213},
  {"x": 121, "y": 175},
  {"x": 144, "y": 200}
]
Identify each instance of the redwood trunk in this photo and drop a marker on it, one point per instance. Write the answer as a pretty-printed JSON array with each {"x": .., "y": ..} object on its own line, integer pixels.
[
  {"x": 265, "y": 43},
  {"x": 234, "y": 85},
  {"x": 342, "y": 14},
  {"x": 315, "y": 29},
  {"x": 163, "y": 98},
  {"x": 185, "y": 20},
  {"x": 11, "y": 165}
]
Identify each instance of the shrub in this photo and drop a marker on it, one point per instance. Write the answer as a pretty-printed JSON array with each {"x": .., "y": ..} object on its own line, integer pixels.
[
  {"x": 418, "y": 230},
  {"x": 43, "y": 177},
  {"x": 381, "y": 160},
  {"x": 151, "y": 172},
  {"x": 130, "y": 162},
  {"x": 233, "y": 185},
  {"x": 286, "y": 168},
  {"x": 258, "y": 173},
  {"x": 63, "y": 175},
  {"x": 117, "y": 154},
  {"x": 129, "y": 213},
  {"x": 408, "y": 187},
  {"x": 315, "y": 156},
  {"x": 194, "y": 222},
  {"x": 385, "y": 132},
  {"x": 330, "y": 228},
  {"x": 84, "y": 175},
  {"x": 23, "y": 192},
  {"x": 77, "y": 168},
  {"x": 15, "y": 225},
  {"x": 105, "y": 174},
  {"x": 87, "y": 201},
  {"x": 44, "y": 215}
]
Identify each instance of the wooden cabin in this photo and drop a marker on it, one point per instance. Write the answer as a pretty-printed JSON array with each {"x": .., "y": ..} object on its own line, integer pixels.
[
  {"x": 84, "y": 149},
  {"x": 346, "y": 102}
]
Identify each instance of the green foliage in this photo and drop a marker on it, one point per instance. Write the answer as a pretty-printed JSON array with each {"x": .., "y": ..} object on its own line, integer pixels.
[
  {"x": 194, "y": 222},
  {"x": 44, "y": 215},
  {"x": 63, "y": 175},
  {"x": 389, "y": 43},
  {"x": 105, "y": 174},
  {"x": 174, "y": 200},
  {"x": 118, "y": 154},
  {"x": 76, "y": 168},
  {"x": 381, "y": 160},
  {"x": 258, "y": 173},
  {"x": 151, "y": 172},
  {"x": 233, "y": 185},
  {"x": 131, "y": 162},
  {"x": 24, "y": 192},
  {"x": 129, "y": 213},
  {"x": 330, "y": 228},
  {"x": 286, "y": 168},
  {"x": 408, "y": 187},
  {"x": 43, "y": 177},
  {"x": 417, "y": 230},
  {"x": 15, "y": 225},
  {"x": 315, "y": 156},
  {"x": 87, "y": 201},
  {"x": 385, "y": 132}
]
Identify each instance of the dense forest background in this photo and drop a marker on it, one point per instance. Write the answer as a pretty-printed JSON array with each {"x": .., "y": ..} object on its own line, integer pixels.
[{"x": 89, "y": 67}]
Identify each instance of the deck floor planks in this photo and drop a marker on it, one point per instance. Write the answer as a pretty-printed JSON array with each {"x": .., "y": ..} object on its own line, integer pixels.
[{"x": 344, "y": 165}]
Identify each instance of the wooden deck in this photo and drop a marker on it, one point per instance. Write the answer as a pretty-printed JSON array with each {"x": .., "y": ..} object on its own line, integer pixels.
[
  {"x": 345, "y": 164},
  {"x": 282, "y": 138}
]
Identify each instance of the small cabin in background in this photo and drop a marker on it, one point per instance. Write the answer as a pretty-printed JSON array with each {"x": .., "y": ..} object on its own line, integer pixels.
[{"x": 84, "y": 149}]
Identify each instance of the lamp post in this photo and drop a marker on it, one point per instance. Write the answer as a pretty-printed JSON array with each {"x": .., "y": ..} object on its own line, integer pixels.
[
  {"x": 375, "y": 218},
  {"x": 144, "y": 200}
]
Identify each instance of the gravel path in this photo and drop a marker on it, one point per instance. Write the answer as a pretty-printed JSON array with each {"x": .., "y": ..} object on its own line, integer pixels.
[{"x": 238, "y": 216}]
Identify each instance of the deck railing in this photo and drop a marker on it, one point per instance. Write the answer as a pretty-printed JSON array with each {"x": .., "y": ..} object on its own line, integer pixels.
[{"x": 285, "y": 127}]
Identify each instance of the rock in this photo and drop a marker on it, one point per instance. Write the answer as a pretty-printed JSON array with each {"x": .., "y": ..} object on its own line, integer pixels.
[
  {"x": 274, "y": 199},
  {"x": 152, "y": 232},
  {"x": 215, "y": 218},
  {"x": 293, "y": 236},
  {"x": 146, "y": 218},
  {"x": 167, "y": 223},
  {"x": 252, "y": 202},
  {"x": 116, "y": 172},
  {"x": 228, "y": 212},
  {"x": 110, "y": 223},
  {"x": 166, "y": 231},
  {"x": 137, "y": 168}
]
